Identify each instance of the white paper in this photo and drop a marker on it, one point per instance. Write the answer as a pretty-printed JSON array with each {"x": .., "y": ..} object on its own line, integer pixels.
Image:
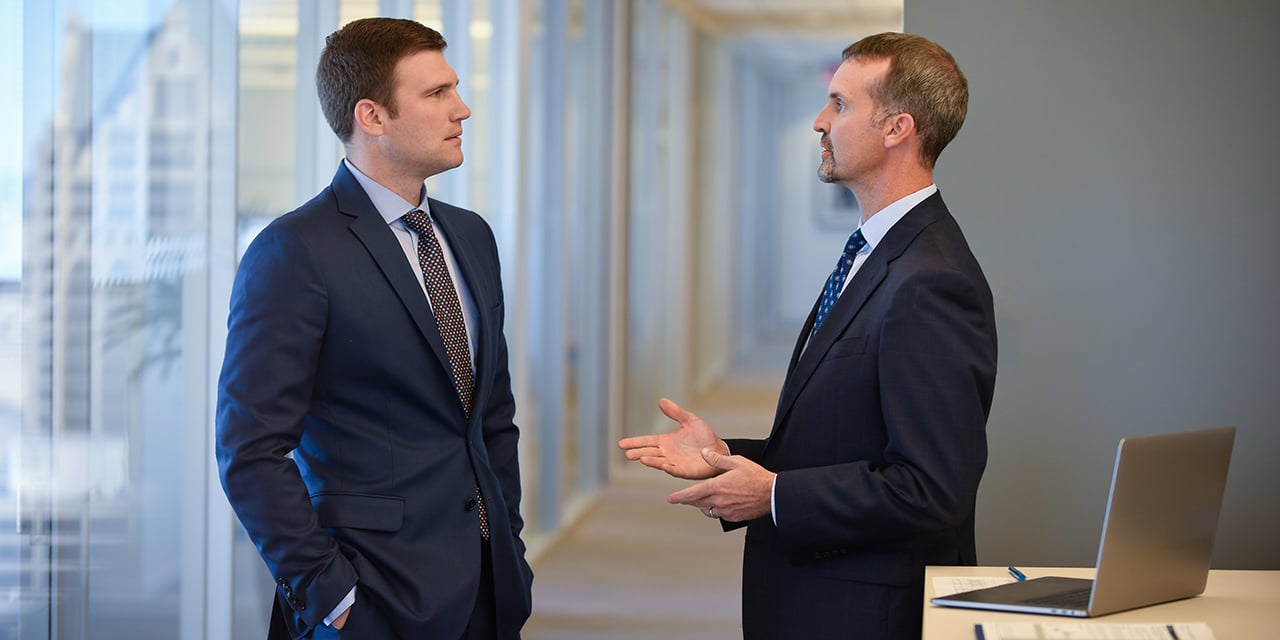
[
  {"x": 947, "y": 586},
  {"x": 1094, "y": 631}
]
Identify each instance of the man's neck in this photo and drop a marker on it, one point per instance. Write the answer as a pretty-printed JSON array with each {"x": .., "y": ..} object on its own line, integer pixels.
[
  {"x": 384, "y": 173},
  {"x": 890, "y": 188}
]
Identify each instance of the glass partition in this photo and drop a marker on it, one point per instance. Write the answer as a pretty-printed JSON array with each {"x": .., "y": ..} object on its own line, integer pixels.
[
  {"x": 152, "y": 140},
  {"x": 106, "y": 404}
]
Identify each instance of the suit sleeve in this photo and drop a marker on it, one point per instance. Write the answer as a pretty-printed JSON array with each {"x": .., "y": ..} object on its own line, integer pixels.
[
  {"x": 937, "y": 362},
  {"x": 749, "y": 448},
  {"x": 275, "y": 330}
]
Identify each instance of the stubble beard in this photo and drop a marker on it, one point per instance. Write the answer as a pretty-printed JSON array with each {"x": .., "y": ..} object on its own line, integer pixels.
[{"x": 827, "y": 170}]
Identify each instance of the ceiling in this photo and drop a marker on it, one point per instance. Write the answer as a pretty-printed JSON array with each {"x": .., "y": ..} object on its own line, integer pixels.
[{"x": 839, "y": 19}]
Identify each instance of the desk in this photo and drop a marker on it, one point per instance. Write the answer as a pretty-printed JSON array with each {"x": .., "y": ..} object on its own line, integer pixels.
[{"x": 1237, "y": 605}]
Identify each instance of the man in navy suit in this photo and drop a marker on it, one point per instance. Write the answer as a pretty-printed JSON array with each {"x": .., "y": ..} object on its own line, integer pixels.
[
  {"x": 871, "y": 469},
  {"x": 366, "y": 337}
]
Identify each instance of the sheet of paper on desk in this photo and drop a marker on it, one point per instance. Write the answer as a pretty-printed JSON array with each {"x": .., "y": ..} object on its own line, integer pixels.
[
  {"x": 1092, "y": 631},
  {"x": 943, "y": 586}
]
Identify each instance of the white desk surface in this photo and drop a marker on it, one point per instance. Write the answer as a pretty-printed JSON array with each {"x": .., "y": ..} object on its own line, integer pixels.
[{"x": 1243, "y": 605}]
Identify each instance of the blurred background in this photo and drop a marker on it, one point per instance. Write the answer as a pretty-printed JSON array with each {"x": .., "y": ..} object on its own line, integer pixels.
[{"x": 649, "y": 169}]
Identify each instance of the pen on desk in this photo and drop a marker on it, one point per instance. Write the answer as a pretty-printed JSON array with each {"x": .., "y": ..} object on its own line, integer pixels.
[{"x": 1017, "y": 575}]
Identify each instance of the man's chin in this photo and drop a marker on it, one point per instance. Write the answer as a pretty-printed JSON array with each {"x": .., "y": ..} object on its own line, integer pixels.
[{"x": 446, "y": 166}]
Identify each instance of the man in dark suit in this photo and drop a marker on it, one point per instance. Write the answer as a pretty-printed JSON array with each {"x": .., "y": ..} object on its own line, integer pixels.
[
  {"x": 871, "y": 469},
  {"x": 366, "y": 337}
]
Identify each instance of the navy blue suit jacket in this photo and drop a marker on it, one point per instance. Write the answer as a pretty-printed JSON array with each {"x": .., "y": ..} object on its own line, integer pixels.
[
  {"x": 333, "y": 354},
  {"x": 879, "y": 442}
]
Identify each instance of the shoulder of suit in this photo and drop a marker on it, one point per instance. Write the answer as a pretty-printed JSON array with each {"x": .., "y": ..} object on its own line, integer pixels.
[{"x": 306, "y": 215}]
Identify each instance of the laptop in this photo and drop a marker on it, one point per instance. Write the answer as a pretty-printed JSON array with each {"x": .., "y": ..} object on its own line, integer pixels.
[{"x": 1157, "y": 535}]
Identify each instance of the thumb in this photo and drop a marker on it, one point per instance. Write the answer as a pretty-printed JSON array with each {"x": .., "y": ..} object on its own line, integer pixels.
[
  {"x": 719, "y": 460},
  {"x": 672, "y": 410}
]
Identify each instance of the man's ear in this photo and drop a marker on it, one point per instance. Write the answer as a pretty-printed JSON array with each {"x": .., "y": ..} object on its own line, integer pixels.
[
  {"x": 369, "y": 117},
  {"x": 898, "y": 128}
]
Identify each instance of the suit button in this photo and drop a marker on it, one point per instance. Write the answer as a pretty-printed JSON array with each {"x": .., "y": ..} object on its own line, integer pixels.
[
  {"x": 470, "y": 504},
  {"x": 298, "y": 605}
]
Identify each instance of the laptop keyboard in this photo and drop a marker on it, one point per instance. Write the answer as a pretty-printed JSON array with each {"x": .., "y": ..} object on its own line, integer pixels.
[{"x": 1078, "y": 599}]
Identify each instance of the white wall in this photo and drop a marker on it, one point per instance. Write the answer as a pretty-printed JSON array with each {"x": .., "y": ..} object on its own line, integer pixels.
[{"x": 1115, "y": 179}]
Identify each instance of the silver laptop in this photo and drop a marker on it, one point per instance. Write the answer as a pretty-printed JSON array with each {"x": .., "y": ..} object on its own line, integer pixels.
[{"x": 1157, "y": 535}]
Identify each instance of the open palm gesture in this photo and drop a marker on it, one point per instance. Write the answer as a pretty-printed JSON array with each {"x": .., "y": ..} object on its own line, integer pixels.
[{"x": 678, "y": 452}]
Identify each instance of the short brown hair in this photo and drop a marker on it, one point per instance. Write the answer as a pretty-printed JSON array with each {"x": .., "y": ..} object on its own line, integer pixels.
[
  {"x": 359, "y": 61},
  {"x": 923, "y": 80}
]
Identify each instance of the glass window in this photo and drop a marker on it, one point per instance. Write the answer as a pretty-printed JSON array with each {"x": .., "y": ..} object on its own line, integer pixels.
[
  {"x": 104, "y": 410},
  {"x": 588, "y": 164},
  {"x": 477, "y": 90},
  {"x": 267, "y": 97},
  {"x": 12, "y": 541},
  {"x": 657, "y": 288},
  {"x": 157, "y": 137},
  {"x": 353, "y": 10}
]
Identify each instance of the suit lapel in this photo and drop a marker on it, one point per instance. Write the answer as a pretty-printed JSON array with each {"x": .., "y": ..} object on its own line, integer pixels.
[
  {"x": 371, "y": 229},
  {"x": 864, "y": 282},
  {"x": 474, "y": 275},
  {"x": 805, "y": 360}
]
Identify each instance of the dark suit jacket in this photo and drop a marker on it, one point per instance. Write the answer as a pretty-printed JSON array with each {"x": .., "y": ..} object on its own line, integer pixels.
[
  {"x": 879, "y": 442},
  {"x": 333, "y": 353}
]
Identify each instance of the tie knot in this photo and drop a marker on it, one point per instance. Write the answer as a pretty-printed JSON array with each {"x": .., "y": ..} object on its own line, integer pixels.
[
  {"x": 855, "y": 244},
  {"x": 417, "y": 220}
]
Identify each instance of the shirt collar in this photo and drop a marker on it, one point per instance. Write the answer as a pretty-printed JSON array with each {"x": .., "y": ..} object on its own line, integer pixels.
[
  {"x": 389, "y": 205},
  {"x": 877, "y": 226}
]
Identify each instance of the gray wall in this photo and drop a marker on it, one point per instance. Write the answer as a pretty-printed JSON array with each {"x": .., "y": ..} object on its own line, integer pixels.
[{"x": 1116, "y": 178}]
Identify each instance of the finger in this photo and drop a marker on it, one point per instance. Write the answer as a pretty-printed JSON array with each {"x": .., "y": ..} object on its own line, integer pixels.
[
  {"x": 690, "y": 495},
  {"x": 719, "y": 460},
  {"x": 637, "y": 442},
  {"x": 644, "y": 452},
  {"x": 660, "y": 463},
  {"x": 672, "y": 410}
]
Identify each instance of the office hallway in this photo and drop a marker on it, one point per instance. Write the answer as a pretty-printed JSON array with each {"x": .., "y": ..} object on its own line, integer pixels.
[{"x": 637, "y": 568}]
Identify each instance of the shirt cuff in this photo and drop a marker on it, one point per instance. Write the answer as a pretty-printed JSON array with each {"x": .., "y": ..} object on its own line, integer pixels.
[
  {"x": 773, "y": 509},
  {"x": 342, "y": 606}
]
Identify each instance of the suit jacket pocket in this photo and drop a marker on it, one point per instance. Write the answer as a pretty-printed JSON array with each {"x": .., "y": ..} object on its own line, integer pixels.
[
  {"x": 359, "y": 511},
  {"x": 845, "y": 347}
]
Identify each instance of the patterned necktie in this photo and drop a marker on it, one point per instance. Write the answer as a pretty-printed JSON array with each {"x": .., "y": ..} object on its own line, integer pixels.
[
  {"x": 835, "y": 282},
  {"x": 448, "y": 312}
]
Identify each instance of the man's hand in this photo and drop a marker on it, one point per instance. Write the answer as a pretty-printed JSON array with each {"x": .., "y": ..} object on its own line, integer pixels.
[
  {"x": 678, "y": 452},
  {"x": 740, "y": 492}
]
